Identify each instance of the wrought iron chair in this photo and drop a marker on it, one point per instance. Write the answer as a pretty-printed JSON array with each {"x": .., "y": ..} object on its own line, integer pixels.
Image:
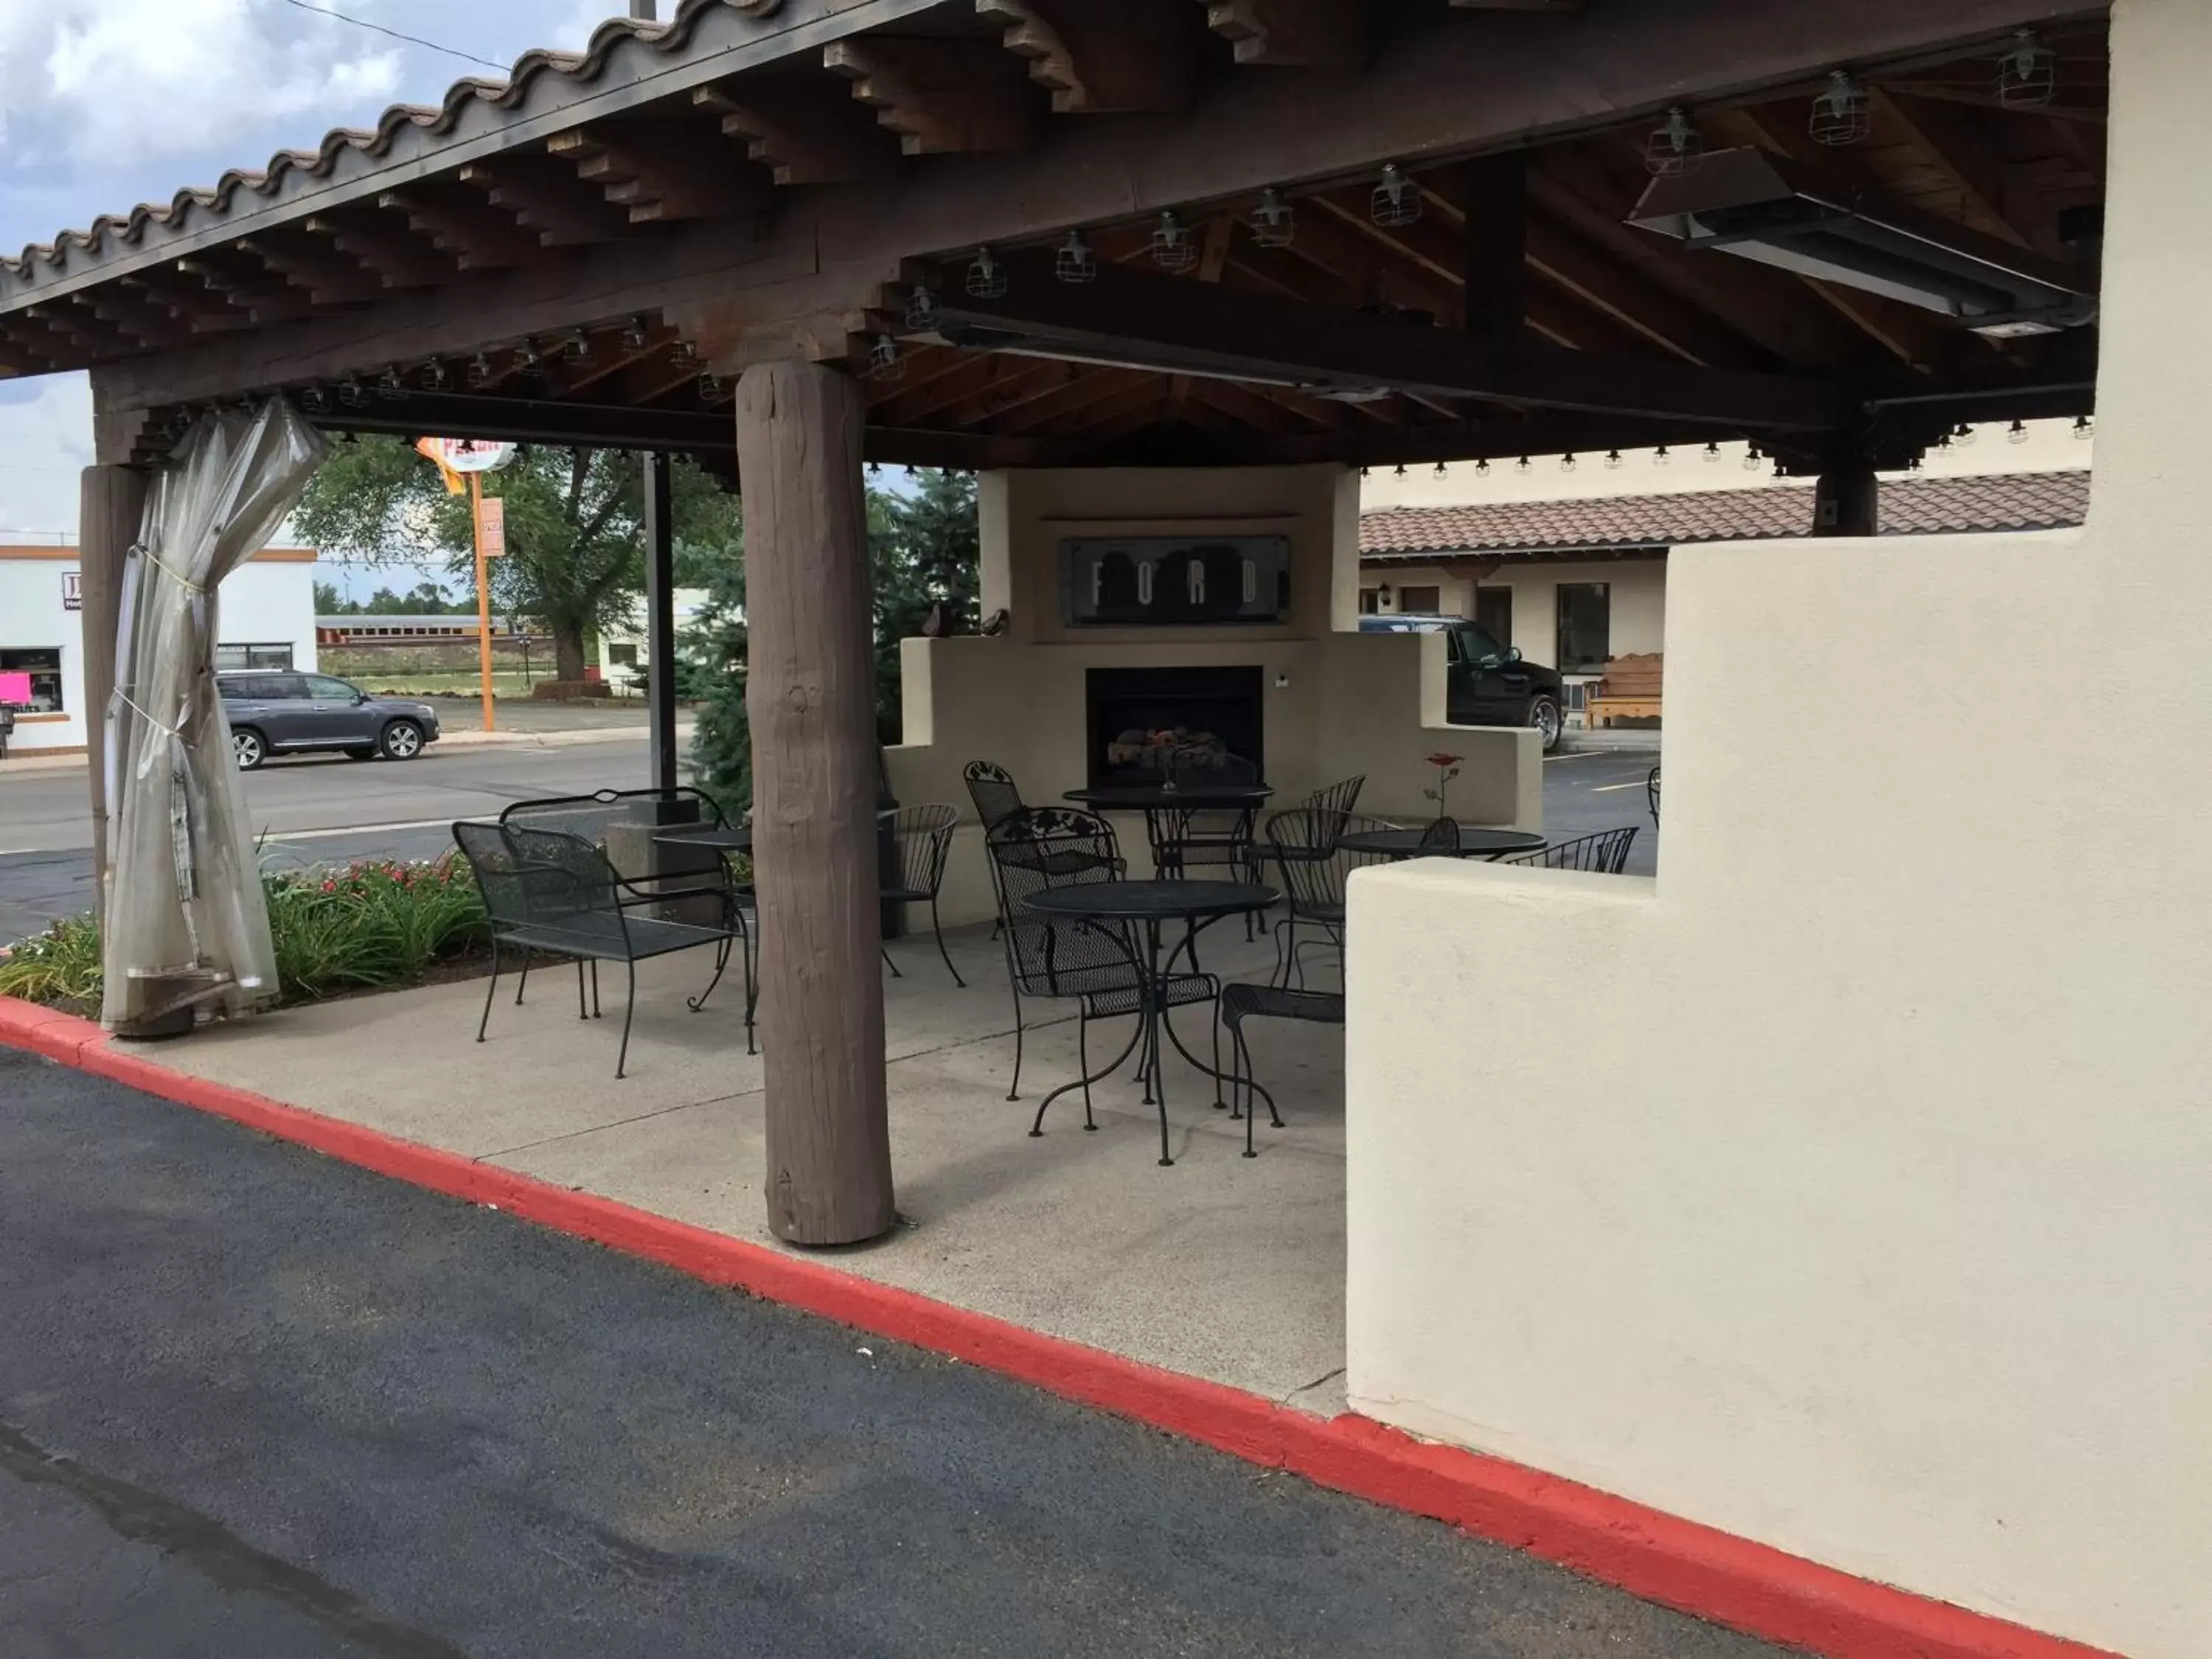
[
  {"x": 923, "y": 836},
  {"x": 1439, "y": 839},
  {"x": 1605, "y": 853},
  {"x": 1205, "y": 836},
  {"x": 1651, "y": 794},
  {"x": 1306, "y": 846},
  {"x": 1240, "y": 1002},
  {"x": 622, "y": 824},
  {"x": 556, "y": 894},
  {"x": 1095, "y": 963},
  {"x": 996, "y": 795}
]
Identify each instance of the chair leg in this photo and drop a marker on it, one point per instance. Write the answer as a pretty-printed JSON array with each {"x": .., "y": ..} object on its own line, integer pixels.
[
  {"x": 1217, "y": 1065},
  {"x": 1244, "y": 1071},
  {"x": 722, "y": 962},
  {"x": 629, "y": 1008},
  {"x": 582, "y": 1012},
  {"x": 888, "y": 963},
  {"x": 753, "y": 990},
  {"x": 1088, "y": 1077},
  {"x": 520, "y": 983},
  {"x": 595, "y": 986},
  {"x": 490, "y": 990},
  {"x": 1015, "y": 1091},
  {"x": 938, "y": 928}
]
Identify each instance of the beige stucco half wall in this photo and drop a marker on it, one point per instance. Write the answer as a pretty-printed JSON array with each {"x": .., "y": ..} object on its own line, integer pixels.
[
  {"x": 1336, "y": 703},
  {"x": 1849, "y": 1187}
]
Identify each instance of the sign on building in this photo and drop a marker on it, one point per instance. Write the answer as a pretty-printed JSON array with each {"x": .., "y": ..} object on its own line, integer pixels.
[{"x": 72, "y": 590}]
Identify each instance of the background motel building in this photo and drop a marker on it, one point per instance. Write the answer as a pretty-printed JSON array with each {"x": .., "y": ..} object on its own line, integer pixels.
[{"x": 267, "y": 614}]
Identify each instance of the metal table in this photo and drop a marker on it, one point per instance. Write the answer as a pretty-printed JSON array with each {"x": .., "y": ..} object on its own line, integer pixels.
[
  {"x": 1473, "y": 844},
  {"x": 1156, "y": 797},
  {"x": 1168, "y": 828},
  {"x": 1142, "y": 906},
  {"x": 723, "y": 838}
]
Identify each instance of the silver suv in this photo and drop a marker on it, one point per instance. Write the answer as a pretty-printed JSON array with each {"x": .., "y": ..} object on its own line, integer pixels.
[{"x": 272, "y": 712}]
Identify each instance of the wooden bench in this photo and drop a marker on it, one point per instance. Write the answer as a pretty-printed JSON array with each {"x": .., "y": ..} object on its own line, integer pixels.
[{"x": 1629, "y": 691}]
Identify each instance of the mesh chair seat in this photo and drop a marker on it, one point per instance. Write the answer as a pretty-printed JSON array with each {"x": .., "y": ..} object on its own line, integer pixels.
[
  {"x": 1177, "y": 991},
  {"x": 1240, "y": 1002},
  {"x": 604, "y": 938}
]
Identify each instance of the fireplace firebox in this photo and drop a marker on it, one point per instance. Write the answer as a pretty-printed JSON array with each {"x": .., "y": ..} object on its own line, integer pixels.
[{"x": 1145, "y": 721}]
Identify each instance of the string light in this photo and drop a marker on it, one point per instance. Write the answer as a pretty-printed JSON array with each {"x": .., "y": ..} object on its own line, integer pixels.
[
  {"x": 1567, "y": 462},
  {"x": 634, "y": 334},
  {"x": 986, "y": 277},
  {"x": 2016, "y": 433},
  {"x": 1672, "y": 147},
  {"x": 1274, "y": 222},
  {"x": 1482, "y": 466},
  {"x": 1613, "y": 460},
  {"x": 922, "y": 310},
  {"x": 2027, "y": 74},
  {"x": 1842, "y": 113},
  {"x": 885, "y": 361},
  {"x": 1962, "y": 434},
  {"x": 2083, "y": 426},
  {"x": 1712, "y": 453},
  {"x": 1396, "y": 199},
  {"x": 1752, "y": 459},
  {"x": 479, "y": 371},
  {"x": 1172, "y": 248},
  {"x": 1520, "y": 466},
  {"x": 1075, "y": 262},
  {"x": 1660, "y": 457}
]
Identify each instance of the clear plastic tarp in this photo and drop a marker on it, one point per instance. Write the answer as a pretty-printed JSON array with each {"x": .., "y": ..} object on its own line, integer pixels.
[{"x": 187, "y": 931}]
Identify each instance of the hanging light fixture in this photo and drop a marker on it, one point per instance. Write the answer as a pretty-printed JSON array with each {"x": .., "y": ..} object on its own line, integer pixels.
[
  {"x": 1482, "y": 466},
  {"x": 1075, "y": 262},
  {"x": 1520, "y": 466},
  {"x": 1712, "y": 453},
  {"x": 1365, "y": 473},
  {"x": 314, "y": 400},
  {"x": 2016, "y": 433},
  {"x": 1943, "y": 442},
  {"x": 634, "y": 334},
  {"x": 1275, "y": 222},
  {"x": 1752, "y": 459},
  {"x": 921, "y": 309},
  {"x": 1567, "y": 462},
  {"x": 874, "y": 467},
  {"x": 1672, "y": 147},
  {"x": 1912, "y": 464},
  {"x": 389, "y": 384},
  {"x": 1396, "y": 199},
  {"x": 685, "y": 353},
  {"x": 1660, "y": 457},
  {"x": 525, "y": 357},
  {"x": 2083, "y": 426},
  {"x": 351, "y": 393},
  {"x": 1440, "y": 470},
  {"x": 2027, "y": 74},
  {"x": 478, "y": 374},
  {"x": 1962, "y": 434},
  {"x": 434, "y": 375},
  {"x": 885, "y": 363},
  {"x": 1401, "y": 473},
  {"x": 1172, "y": 247},
  {"x": 579, "y": 346},
  {"x": 710, "y": 387},
  {"x": 1842, "y": 113},
  {"x": 1613, "y": 460},
  {"x": 986, "y": 277}
]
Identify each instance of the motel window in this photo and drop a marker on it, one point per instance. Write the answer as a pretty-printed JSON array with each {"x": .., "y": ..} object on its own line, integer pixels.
[
  {"x": 231, "y": 657},
  {"x": 1493, "y": 613},
  {"x": 33, "y": 676},
  {"x": 1585, "y": 623},
  {"x": 1420, "y": 601},
  {"x": 1371, "y": 602}
]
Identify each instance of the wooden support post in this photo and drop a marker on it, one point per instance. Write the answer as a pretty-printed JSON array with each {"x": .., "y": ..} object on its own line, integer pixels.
[
  {"x": 659, "y": 620},
  {"x": 809, "y": 698},
  {"x": 1495, "y": 256},
  {"x": 1847, "y": 502},
  {"x": 112, "y": 500}
]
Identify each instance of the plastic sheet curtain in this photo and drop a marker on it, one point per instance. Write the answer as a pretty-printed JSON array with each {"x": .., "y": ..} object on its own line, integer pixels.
[{"x": 187, "y": 930}]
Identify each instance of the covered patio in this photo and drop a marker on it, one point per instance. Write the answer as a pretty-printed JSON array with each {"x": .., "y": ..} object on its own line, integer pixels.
[{"x": 1759, "y": 1249}]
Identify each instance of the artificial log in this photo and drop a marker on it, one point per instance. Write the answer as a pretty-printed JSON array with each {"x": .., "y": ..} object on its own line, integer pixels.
[
  {"x": 809, "y": 698},
  {"x": 112, "y": 499}
]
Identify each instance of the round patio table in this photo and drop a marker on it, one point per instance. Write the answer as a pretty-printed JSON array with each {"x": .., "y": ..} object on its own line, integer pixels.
[
  {"x": 723, "y": 838},
  {"x": 1143, "y": 906},
  {"x": 1154, "y": 797},
  {"x": 1473, "y": 844}
]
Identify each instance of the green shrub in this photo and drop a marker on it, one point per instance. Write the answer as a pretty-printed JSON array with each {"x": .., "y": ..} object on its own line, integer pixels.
[{"x": 374, "y": 924}]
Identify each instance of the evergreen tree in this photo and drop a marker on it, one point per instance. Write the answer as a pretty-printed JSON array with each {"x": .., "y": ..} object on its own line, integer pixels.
[
  {"x": 927, "y": 553},
  {"x": 710, "y": 669}
]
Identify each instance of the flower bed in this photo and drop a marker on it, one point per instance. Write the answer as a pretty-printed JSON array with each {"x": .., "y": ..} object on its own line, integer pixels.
[{"x": 375, "y": 925}]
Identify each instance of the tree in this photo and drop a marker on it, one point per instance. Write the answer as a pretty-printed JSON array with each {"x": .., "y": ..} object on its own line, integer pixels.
[
  {"x": 575, "y": 554},
  {"x": 710, "y": 669},
  {"x": 927, "y": 557}
]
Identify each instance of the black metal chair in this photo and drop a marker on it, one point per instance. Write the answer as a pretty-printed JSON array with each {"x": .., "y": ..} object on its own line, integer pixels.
[
  {"x": 1206, "y": 838},
  {"x": 993, "y": 789},
  {"x": 1651, "y": 794},
  {"x": 1341, "y": 796},
  {"x": 1240, "y": 1002},
  {"x": 1306, "y": 846},
  {"x": 554, "y": 893},
  {"x": 1604, "y": 852},
  {"x": 923, "y": 836},
  {"x": 630, "y": 819},
  {"x": 1095, "y": 963},
  {"x": 1439, "y": 839}
]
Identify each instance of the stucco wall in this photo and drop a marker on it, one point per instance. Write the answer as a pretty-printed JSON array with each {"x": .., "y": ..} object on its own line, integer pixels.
[
  {"x": 1336, "y": 703},
  {"x": 1851, "y": 1186},
  {"x": 1637, "y": 617},
  {"x": 269, "y": 599}
]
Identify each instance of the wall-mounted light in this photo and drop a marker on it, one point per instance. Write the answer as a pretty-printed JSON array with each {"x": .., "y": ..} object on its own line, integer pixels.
[
  {"x": 1440, "y": 470},
  {"x": 1382, "y": 594},
  {"x": 1962, "y": 434},
  {"x": 1482, "y": 466},
  {"x": 579, "y": 346},
  {"x": 389, "y": 384},
  {"x": 434, "y": 375},
  {"x": 479, "y": 371}
]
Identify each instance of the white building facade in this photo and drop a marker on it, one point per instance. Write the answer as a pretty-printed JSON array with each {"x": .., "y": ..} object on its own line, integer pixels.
[{"x": 265, "y": 615}]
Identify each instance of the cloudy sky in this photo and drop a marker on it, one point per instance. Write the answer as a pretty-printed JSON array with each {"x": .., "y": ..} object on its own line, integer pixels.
[{"x": 108, "y": 103}]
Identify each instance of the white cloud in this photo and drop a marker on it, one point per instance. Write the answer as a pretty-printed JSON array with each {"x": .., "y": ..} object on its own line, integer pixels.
[{"x": 46, "y": 438}]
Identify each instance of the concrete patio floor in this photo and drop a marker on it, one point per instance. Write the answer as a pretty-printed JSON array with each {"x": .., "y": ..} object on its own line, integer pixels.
[{"x": 1222, "y": 1267}]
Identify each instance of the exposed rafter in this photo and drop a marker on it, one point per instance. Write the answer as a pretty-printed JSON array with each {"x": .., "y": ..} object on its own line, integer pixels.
[
  {"x": 1135, "y": 55},
  {"x": 1294, "y": 33},
  {"x": 942, "y": 97},
  {"x": 805, "y": 130}
]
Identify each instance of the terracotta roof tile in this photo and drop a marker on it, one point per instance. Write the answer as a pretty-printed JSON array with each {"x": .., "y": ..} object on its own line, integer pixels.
[{"x": 1910, "y": 507}]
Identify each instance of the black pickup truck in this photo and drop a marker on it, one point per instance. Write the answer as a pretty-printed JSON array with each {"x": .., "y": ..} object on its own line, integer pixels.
[{"x": 1486, "y": 684}]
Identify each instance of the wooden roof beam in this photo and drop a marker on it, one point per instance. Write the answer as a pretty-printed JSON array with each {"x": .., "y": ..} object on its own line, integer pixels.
[
  {"x": 399, "y": 259},
  {"x": 805, "y": 130},
  {"x": 311, "y": 264},
  {"x": 943, "y": 97},
  {"x": 1133, "y": 55},
  {"x": 652, "y": 173},
  {"x": 459, "y": 222},
  {"x": 1159, "y": 323},
  {"x": 1294, "y": 33},
  {"x": 547, "y": 199}
]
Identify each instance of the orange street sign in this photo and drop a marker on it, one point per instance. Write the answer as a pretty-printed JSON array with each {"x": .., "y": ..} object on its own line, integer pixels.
[{"x": 491, "y": 527}]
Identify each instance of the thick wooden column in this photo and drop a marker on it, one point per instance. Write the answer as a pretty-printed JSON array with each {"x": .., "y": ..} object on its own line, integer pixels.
[
  {"x": 111, "y": 500},
  {"x": 809, "y": 698}
]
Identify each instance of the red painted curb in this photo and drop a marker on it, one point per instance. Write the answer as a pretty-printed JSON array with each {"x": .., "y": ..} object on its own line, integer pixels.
[{"x": 1679, "y": 1564}]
